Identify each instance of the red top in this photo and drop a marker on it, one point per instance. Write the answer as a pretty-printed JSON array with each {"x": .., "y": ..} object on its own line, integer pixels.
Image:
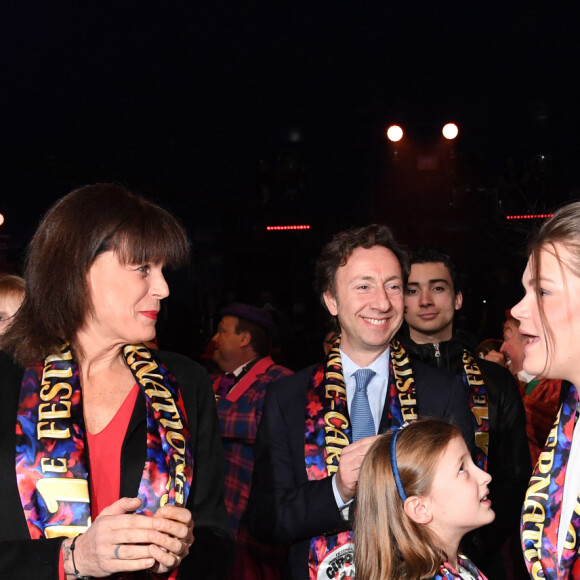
[{"x": 105, "y": 452}]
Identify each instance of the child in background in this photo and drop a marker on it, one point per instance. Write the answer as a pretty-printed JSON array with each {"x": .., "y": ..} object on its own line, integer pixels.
[
  {"x": 11, "y": 297},
  {"x": 419, "y": 493}
]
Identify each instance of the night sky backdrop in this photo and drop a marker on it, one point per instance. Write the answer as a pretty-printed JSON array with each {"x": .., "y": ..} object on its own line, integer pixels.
[{"x": 205, "y": 106}]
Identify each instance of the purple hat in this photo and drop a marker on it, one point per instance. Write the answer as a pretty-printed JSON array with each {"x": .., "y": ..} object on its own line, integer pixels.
[{"x": 258, "y": 316}]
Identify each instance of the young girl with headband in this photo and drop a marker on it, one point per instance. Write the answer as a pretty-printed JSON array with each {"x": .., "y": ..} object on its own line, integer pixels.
[{"x": 419, "y": 493}]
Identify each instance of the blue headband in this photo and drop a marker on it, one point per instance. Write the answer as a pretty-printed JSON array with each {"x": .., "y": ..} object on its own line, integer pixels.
[{"x": 394, "y": 465}]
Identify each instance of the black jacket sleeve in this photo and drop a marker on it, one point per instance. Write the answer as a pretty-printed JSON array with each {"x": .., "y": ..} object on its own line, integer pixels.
[{"x": 284, "y": 506}]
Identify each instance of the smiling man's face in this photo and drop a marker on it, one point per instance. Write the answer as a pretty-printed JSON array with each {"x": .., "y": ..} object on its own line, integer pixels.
[{"x": 368, "y": 302}]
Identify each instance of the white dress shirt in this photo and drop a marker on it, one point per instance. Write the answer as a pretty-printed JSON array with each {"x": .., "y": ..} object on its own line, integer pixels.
[{"x": 377, "y": 391}]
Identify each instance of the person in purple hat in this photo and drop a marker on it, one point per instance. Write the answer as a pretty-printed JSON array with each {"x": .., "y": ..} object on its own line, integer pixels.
[{"x": 242, "y": 351}]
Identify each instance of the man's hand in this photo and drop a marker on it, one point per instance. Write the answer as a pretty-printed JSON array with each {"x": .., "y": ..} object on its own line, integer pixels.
[{"x": 349, "y": 467}]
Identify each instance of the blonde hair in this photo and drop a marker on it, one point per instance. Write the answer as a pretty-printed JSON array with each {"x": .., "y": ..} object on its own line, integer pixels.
[
  {"x": 388, "y": 544},
  {"x": 562, "y": 228}
]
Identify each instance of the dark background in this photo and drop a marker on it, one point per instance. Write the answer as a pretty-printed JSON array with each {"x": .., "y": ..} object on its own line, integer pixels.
[{"x": 236, "y": 116}]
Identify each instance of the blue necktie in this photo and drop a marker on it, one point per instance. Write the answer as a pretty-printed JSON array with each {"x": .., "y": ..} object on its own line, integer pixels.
[{"x": 361, "y": 417}]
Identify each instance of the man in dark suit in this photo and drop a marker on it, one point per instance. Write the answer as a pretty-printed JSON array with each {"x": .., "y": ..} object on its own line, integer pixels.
[{"x": 319, "y": 423}]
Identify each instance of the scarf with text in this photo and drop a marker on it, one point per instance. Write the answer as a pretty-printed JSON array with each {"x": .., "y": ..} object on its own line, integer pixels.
[
  {"x": 542, "y": 508},
  {"x": 328, "y": 432},
  {"x": 478, "y": 404},
  {"x": 51, "y": 454}
]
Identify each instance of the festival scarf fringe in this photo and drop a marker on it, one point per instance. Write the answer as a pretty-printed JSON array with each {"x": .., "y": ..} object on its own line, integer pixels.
[
  {"x": 51, "y": 459},
  {"x": 543, "y": 503},
  {"x": 478, "y": 402},
  {"x": 328, "y": 432}
]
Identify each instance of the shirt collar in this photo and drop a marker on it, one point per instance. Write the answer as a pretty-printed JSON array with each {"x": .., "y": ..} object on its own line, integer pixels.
[{"x": 379, "y": 365}]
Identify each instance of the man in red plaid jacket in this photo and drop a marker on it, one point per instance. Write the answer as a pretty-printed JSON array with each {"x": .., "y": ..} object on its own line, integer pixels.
[{"x": 243, "y": 342}]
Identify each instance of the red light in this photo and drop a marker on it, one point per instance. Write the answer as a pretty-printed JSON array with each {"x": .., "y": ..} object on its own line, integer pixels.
[
  {"x": 286, "y": 228},
  {"x": 530, "y": 216},
  {"x": 1, "y": 219}
]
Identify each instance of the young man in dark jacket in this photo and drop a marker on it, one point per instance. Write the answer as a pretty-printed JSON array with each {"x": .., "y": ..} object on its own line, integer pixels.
[{"x": 432, "y": 297}]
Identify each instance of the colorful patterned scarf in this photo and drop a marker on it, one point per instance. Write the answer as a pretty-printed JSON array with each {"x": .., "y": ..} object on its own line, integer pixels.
[
  {"x": 328, "y": 432},
  {"x": 51, "y": 459},
  {"x": 478, "y": 403},
  {"x": 543, "y": 503},
  {"x": 448, "y": 572}
]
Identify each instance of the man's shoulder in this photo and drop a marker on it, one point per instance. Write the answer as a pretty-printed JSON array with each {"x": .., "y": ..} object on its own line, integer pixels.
[
  {"x": 186, "y": 371},
  {"x": 276, "y": 371},
  {"x": 293, "y": 382},
  {"x": 495, "y": 375}
]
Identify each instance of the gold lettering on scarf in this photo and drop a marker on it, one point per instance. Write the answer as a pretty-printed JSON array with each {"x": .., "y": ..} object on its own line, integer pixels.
[
  {"x": 48, "y": 391},
  {"x": 55, "y": 489},
  {"x": 335, "y": 391},
  {"x": 335, "y": 439},
  {"x": 146, "y": 371},
  {"x": 334, "y": 435},
  {"x": 169, "y": 407},
  {"x": 534, "y": 512},
  {"x": 53, "y": 465},
  {"x": 479, "y": 409},
  {"x": 404, "y": 382}
]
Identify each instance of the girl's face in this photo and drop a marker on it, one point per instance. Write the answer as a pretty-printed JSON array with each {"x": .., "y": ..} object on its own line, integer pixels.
[
  {"x": 458, "y": 500},
  {"x": 559, "y": 291},
  {"x": 9, "y": 304}
]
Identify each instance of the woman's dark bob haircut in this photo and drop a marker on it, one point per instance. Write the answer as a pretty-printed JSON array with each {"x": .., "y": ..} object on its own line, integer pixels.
[{"x": 80, "y": 226}]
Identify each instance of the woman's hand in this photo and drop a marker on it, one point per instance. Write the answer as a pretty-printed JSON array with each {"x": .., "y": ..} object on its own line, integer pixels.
[
  {"x": 121, "y": 541},
  {"x": 178, "y": 523}
]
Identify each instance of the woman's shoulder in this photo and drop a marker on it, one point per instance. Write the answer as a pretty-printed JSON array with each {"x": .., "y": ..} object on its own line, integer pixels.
[{"x": 184, "y": 369}]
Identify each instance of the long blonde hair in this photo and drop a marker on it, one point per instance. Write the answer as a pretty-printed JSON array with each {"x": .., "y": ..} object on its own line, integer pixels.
[{"x": 388, "y": 544}]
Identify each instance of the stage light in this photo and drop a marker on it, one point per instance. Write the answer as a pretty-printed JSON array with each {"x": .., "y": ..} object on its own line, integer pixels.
[
  {"x": 450, "y": 131},
  {"x": 394, "y": 133}
]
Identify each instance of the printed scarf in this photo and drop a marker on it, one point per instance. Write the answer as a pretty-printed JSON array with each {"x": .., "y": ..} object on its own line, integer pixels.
[
  {"x": 448, "y": 572},
  {"x": 478, "y": 403},
  {"x": 543, "y": 503},
  {"x": 51, "y": 460},
  {"x": 328, "y": 432}
]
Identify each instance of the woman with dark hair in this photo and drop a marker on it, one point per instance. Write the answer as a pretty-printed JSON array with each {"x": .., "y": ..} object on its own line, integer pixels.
[
  {"x": 549, "y": 316},
  {"x": 109, "y": 452}
]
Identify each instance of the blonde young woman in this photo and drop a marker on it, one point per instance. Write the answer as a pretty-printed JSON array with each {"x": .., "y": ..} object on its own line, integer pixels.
[{"x": 549, "y": 316}]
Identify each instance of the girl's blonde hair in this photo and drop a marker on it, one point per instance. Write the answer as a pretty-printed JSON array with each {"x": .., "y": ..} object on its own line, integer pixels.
[{"x": 388, "y": 544}]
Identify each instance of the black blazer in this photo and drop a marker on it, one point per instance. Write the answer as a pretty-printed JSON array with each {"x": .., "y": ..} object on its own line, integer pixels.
[
  {"x": 284, "y": 506},
  {"x": 212, "y": 550}
]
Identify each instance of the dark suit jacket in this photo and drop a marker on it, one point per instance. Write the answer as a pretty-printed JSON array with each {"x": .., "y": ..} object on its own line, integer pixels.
[
  {"x": 285, "y": 507},
  {"x": 212, "y": 551}
]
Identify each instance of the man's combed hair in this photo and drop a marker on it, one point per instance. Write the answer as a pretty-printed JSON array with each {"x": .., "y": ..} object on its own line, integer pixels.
[
  {"x": 433, "y": 255},
  {"x": 388, "y": 544},
  {"x": 82, "y": 225},
  {"x": 337, "y": 252}
]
